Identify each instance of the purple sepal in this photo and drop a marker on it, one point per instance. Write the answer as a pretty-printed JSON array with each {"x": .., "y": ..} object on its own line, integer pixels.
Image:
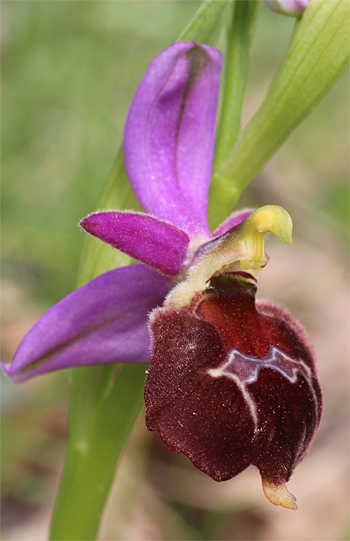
[
  {"x": 159, "y": 244},
  {"x": 169, "y": 135},
  {"x": 103, "y": 322},
  {"x": 234, "y": 219}
]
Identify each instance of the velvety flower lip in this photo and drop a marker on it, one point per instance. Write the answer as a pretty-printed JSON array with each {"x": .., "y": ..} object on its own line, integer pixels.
[
  {"x": 157, "y": 243},
  {"x": 169, "y": 135},
  {"x": 232, "y": 382},
  {"x": 103, "y": 322}
]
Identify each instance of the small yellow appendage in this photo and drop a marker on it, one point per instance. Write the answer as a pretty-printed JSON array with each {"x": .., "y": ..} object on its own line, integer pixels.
[{"x": 279, "y": 495}]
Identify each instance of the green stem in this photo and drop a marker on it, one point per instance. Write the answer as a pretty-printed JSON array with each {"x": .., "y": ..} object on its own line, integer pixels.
[
  {"x": 317, "y": 55},
  {"x": 239, "y": 38},
  {"x": 92, "y": 456}
]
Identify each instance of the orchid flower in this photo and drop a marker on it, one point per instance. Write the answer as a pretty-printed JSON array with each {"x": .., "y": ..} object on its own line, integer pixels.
[{"x": 231, "y": 381}]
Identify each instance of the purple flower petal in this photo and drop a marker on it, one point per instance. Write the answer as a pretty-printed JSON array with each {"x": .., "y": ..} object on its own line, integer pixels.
[
  {"x": 103, "y": 322},
  {"x": 159, "y": 244},
  {"x": 234, "y": 219},
  {"x": 169, "y": 135}
]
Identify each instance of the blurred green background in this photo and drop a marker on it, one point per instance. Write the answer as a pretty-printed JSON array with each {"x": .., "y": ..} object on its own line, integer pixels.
[{"x": 69, "y": 71}]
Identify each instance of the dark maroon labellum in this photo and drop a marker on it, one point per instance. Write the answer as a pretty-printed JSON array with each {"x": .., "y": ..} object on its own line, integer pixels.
[{"x": 232, "y": 383}]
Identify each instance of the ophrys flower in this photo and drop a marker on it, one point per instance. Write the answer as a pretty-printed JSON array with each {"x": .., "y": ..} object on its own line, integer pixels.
[{"x": 231, "y": 381}]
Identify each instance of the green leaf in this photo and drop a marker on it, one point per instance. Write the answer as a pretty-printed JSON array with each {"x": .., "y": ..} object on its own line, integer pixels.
[
  {"x": 105, "y": 400},
  {"x": 317, "y": 55}
]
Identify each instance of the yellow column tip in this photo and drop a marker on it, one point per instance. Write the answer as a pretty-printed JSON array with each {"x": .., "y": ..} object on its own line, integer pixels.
[{"x": 274, "y": 219}]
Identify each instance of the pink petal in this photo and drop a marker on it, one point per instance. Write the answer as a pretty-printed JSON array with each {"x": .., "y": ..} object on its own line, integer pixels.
[
  {"x": 103, "y": 322},
  {"x": 159, "y": 244}
]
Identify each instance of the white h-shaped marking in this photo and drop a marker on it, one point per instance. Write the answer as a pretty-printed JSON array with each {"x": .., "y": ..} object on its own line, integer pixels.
[{"x": 244, "y": 369}]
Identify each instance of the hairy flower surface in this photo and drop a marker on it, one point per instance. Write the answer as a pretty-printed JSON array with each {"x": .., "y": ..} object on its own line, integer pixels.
[{"x": 231, "y": 381}]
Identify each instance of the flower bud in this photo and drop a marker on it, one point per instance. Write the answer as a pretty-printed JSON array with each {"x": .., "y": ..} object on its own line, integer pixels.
[{"x": 294, "y": 8}]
